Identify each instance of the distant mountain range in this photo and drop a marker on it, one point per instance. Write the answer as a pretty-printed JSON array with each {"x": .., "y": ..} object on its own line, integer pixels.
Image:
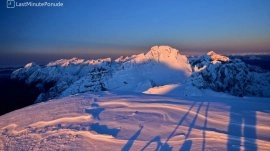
[{"x": 161, "y": 66}]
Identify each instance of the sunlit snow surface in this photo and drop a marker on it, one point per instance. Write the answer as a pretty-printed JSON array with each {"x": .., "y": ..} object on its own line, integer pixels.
[
  {"x": 159, "y": 100},
  {"x": 117, "y": 121}
]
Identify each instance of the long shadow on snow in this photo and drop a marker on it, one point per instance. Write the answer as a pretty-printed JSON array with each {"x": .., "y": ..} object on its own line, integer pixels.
[
  {"x": 187, "y": 143},
  {"x": 242, "y": 124},
  {"x": 131, "y": 140},
  {"x": 242, "y": 117},
  {"x": 101, "y": 129},
  {"x": 104, "y": 129},
  {"x": 205, "y": 126},
  {"x": 95, "y": 111}
]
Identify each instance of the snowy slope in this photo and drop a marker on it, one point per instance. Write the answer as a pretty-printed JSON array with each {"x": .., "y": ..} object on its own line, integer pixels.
[{"x": 112, "y": 121}]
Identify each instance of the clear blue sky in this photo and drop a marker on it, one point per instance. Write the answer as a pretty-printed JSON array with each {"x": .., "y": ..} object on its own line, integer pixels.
[{"x": 130, "y": 26}]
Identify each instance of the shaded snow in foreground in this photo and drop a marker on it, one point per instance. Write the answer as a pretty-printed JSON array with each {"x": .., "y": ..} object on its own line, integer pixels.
[{"x": 113, "y": 121}]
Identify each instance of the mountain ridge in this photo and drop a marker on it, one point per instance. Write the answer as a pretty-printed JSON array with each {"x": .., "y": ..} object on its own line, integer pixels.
[{"x": 160, "y": 66}]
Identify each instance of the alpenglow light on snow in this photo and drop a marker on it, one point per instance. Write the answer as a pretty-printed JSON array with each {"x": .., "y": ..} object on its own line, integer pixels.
[{"x": 160, "y": 66}]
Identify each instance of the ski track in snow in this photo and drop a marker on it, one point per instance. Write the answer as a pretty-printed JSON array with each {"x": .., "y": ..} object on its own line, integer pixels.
[{"x": 111, "y": 121}]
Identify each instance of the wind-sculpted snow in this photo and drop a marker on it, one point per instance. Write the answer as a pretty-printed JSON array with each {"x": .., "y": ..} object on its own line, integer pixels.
[
  {"x": 113, "y": 121},
  {"x": 161, "y": 66}
]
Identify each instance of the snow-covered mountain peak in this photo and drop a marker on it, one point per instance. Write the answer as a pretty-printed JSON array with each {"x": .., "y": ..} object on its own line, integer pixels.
[
  {"x": 229, "y": 75},
  {"x": 156, "y": 53},
  {"x": 66, "y": 62},
  {"x": 77, "y": 61},
  {"x": 159, "y": 55},
  {"x": 169, "y": 56},
  {"x": 208, "y": 59},
  {"x": 159, "y": 66},
  {"x": 217, "y": 57},
  {"x": 31, "y": 64},
  {"x": 162, "y": 52}
]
